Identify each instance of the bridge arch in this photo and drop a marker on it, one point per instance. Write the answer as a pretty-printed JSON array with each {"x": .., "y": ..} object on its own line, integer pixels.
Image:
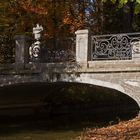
[
  {"x": 108, "y": 82},
  {"x": 34, "y": 91},
  {"x": 103, "y": 97}
]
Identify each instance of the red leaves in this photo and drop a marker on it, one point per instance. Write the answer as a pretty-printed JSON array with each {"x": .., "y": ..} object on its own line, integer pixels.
[{"x": 129, "y": 130}]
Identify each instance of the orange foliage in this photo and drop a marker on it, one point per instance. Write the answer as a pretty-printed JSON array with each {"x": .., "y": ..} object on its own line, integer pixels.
[
  {"x": 56, "y": 17},
  {"x": 28, "y": 6},
  {"x": 74, "y": 23}
]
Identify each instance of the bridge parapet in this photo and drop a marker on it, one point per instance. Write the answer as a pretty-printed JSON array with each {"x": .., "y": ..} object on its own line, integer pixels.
[{"x": 112, "y": 47}]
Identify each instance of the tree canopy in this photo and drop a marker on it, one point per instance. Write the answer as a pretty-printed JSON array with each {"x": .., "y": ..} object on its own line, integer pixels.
[
  {"x": 121, "y": 3},
  {"x": 57, "y": 17},
  {"x": 61, "y": 18}
]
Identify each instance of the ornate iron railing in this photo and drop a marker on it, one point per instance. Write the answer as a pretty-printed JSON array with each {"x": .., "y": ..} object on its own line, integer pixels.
[
  {"x": 52, "y": 50},
  {"x": 56, "y": 50},
  {"x": 115, "y": 46},
  {"x": 6, "y": 49}
]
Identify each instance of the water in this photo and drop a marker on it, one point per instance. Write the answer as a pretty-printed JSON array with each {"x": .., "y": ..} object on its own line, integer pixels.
[
  {"x": 35, "y": 126},
  {"x": 69, "y": 111},
  {"x": 41, "y": 127}
]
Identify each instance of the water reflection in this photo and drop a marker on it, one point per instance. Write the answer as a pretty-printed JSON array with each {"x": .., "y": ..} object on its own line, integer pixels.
[
  {"x": 43, "y": 126},
  {"x": 69, "y": 109}
]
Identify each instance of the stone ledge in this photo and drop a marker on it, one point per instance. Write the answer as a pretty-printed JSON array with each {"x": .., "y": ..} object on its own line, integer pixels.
[{"x": 113, "y": 63}]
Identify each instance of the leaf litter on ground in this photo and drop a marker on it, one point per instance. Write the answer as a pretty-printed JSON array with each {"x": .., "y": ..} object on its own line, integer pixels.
[{"x": 125, "y": 130}]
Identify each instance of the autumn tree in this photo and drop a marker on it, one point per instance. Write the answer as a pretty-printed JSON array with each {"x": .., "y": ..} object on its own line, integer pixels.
[
  {"x": 63, "y": 17},
  {"x": 59, "y": 18},
  {"x": 121, "y": 3},
  {"x": 128, "y": 12}
]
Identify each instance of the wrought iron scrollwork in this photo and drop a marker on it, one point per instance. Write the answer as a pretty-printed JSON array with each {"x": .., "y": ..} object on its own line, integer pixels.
[
  {"x": 6, "y": 49},
  {"x": 119, "y": 46},
  {"x": 44, "y": 51},
  {"x": 34, "y": 50}
]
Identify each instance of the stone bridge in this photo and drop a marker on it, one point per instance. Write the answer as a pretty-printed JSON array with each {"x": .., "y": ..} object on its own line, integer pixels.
[
  {"x": 111, "y": 75},
  {"x": 121, "y": 75}
]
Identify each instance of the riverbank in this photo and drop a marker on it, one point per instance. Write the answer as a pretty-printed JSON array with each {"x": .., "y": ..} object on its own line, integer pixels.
[{"x": 129, "y": 130}]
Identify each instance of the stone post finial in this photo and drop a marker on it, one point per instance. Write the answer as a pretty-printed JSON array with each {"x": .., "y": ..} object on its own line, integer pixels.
[
  {"x": 35, "y": 48},
  {"x": 37, "y": 31}
]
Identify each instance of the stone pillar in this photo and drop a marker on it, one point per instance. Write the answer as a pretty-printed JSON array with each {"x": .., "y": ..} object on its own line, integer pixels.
[
  {"x": 22, "y": 49},
  {"x": 135, "y": 50},
  {"x": 82, "y": 47}
]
